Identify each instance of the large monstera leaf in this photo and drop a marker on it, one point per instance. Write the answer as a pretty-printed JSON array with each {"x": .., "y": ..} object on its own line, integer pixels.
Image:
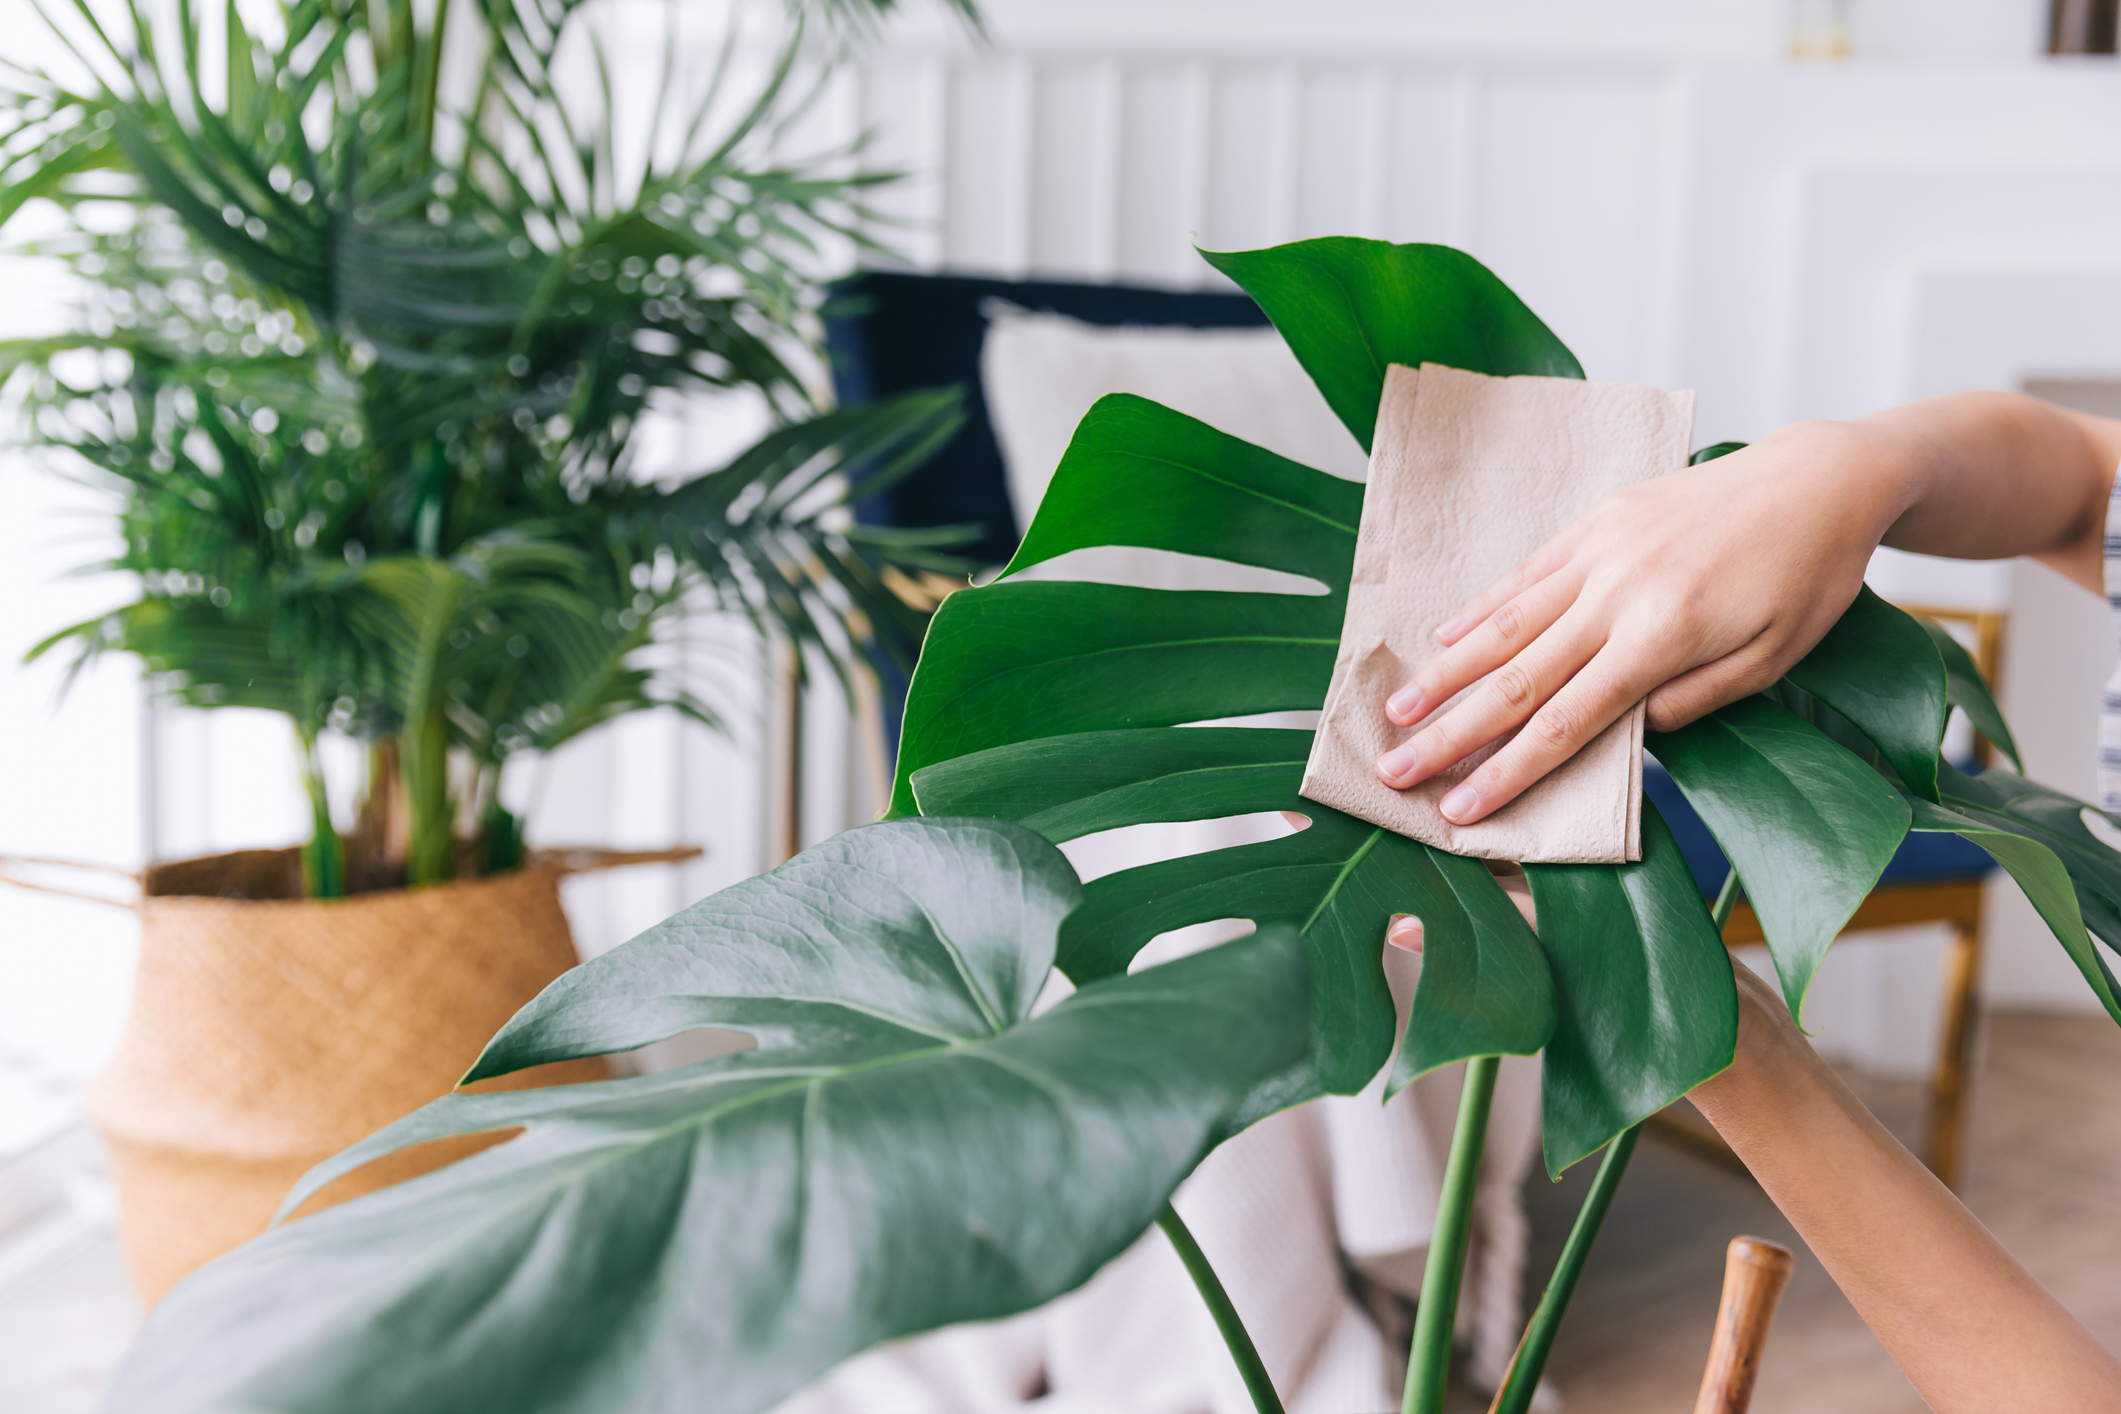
[
  {"x": 1064, "y": 706},
  {"x": 902, "y": 1149}
]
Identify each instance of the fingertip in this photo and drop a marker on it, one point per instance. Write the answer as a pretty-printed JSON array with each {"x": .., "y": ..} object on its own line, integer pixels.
[
  {"x": 1396, "y": 767},
  {"x": 1451, "y": 629},
  {"x": 1461, "y": 806},
  {"x": 1404, "y": 932}
]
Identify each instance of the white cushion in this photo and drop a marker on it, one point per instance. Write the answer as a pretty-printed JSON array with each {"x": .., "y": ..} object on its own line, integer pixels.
[{"x": 1042, "y": 372}]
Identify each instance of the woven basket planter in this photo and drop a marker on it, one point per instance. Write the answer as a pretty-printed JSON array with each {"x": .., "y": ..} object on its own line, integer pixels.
[{"x": 269, "y": 1031}]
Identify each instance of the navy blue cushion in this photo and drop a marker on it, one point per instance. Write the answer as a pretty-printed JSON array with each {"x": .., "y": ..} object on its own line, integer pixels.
[
  {"x": 890, "y": 332},
  {"x": 1922, "y": 858}
]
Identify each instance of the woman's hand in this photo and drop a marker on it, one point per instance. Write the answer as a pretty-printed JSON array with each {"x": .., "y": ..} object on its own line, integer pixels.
[
  {"x": 1705, "y": 585},
  {"x": 1691, "y": 590}
]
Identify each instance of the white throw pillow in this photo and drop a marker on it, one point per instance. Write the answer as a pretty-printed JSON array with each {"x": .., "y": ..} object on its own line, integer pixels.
[{"x": 1041, "y": 373}]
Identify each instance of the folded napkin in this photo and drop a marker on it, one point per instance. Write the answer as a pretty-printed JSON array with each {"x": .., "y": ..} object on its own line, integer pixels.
[{"x": 1468, "y": 476}]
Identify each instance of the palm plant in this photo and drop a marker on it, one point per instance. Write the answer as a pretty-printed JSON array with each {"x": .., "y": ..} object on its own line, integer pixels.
[
  {"x": 370, "y": 353},
  {"x": 906, "y": 1146}
]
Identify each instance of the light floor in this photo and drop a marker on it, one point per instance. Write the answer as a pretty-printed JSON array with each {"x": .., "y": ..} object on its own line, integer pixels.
[{"x": 2043, "y": 1159}]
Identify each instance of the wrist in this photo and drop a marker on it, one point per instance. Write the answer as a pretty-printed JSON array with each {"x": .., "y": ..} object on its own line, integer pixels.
[{"x": 1871, "y": 476}]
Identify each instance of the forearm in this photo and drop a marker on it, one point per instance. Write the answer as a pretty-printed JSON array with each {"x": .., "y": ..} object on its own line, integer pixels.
[
  {"x": 1983, "y": 476},
  {"x": 1967, "y": 1324}
]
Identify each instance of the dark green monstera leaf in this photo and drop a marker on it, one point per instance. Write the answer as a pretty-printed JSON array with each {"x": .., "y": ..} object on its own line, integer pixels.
[
  {"x": 1879, "y": 669},
  {"x": 1339, "y": 881},
  {"x": 1967, "y": 690},
  {"x": 1060, "y": 705},
  {"x": 902, "y": 1149},
  {"x": 2071, "y": 877},
  {"x": 1349, "y": 309},
  {"x": 1063, "y": 706},
  {"x": 1806, "y": 824},
  {"x": 1624, "y": 942}
]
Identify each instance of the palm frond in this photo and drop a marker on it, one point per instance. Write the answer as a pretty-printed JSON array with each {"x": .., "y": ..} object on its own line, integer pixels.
[{"x": 370, "y": 365}]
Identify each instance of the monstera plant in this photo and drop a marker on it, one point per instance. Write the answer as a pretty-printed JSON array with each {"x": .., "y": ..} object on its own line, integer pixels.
[{"x": 906, "y": 1146}]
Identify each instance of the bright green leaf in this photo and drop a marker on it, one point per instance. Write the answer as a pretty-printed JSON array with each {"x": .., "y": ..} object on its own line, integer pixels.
[
  {"x": 1808, "y": 827},
  {"x": 1350, "y": 308},
  {"x": 1966, "y": 689},
  {"x": 1018, "y": 660},
  {"x": 1137, "y": 473},
  {"x": 1713, "y": 451},
  {"x": 1878, "y": 669},
  {"x": 2047, "y": 886},
  {"x": 1647, "y": 1006},
  {"x": 1339, "y": 881},
  {"x": 1485, "y": 987},
  {"x": 1066, "y": 787},
  {"x": 2039, "y": 835}
]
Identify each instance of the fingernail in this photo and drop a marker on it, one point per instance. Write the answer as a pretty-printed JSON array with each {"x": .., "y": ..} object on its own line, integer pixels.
[
  {"x": 1405, "y": 932},
  {"x": 1449, "y": 627},
  {"x": 1459, "y": 804},
  {"x": 1398, "y": 763},
  {"x": 1402, "y": 704}
]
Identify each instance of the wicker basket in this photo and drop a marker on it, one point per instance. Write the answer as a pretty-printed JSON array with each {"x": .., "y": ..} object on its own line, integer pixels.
[{"x": 269, "y": 1031}]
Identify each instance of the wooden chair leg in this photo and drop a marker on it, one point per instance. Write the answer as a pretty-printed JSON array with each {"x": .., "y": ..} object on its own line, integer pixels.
[
  {"x": 784, "y": 756},
  {"x": 1754, "y": 1273},
  {"x": 1947, "y": 1101}
]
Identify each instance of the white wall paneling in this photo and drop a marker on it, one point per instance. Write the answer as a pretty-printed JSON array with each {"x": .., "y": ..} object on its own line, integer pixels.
[{"x": 1109, "y": 165}]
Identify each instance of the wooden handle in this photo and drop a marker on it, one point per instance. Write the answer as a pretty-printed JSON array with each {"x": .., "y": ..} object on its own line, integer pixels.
[{"x": 1754, "y": 1273}]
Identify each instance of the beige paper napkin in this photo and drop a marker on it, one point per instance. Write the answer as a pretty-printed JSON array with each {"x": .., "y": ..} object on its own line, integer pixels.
[{"x": 1468, "y": 476}]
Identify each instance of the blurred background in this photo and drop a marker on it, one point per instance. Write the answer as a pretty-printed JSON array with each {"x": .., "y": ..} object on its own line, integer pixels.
[{"x": 1807, "y": 209}]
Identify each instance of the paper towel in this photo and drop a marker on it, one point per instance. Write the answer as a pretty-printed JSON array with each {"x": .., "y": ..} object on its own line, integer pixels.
[{"x": 1468, "y": 476}]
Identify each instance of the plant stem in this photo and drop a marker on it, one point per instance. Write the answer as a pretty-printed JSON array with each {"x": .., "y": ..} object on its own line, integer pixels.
[
  {"x": 324, "y": 857},
  {"x": 1726, "y": 900},
  {"x": 424, "y": 748},
  {"x": 1249, "y": 1365},
  {"x": 1429, "y": 1360},
  {"x": 1530, "y": 1362}
]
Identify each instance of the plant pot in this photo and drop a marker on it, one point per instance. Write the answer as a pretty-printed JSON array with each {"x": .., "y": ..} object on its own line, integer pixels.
[{"x": 269, "y": 1031}]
